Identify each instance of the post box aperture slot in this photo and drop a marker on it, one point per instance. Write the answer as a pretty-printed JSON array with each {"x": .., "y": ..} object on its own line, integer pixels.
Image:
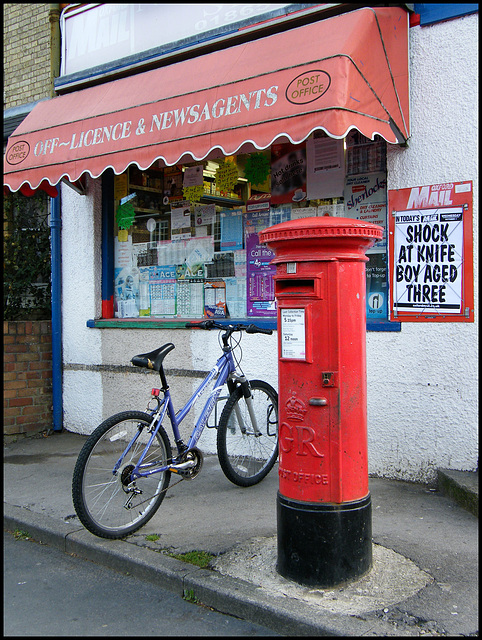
[{"x": 295, "y": 287}]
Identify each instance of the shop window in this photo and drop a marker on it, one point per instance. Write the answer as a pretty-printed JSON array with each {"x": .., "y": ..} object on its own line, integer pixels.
[{"x": 186, "y": 240}]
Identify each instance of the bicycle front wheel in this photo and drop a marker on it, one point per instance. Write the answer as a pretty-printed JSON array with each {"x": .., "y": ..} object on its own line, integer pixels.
[
  {"x": 247, "y": 453},
  {"x": 106, "y": 501}
]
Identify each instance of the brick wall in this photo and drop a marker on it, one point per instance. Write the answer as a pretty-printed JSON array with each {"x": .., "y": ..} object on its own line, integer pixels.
[
  {"x": 27, "y": 345},
  {"x": 27, "y": 404},
  {"x": 26, "y": 53}
]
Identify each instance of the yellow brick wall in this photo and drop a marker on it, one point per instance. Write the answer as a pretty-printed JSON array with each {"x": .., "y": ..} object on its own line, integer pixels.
[{"x": 26, "y": 53}]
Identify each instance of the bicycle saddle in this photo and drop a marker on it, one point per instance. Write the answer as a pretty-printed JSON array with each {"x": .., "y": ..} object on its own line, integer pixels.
[{"x": 153, "y": 360}]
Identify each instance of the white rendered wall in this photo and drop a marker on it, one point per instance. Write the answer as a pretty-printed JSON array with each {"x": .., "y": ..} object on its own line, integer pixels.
[
  {"x": 81, "y": 299},
  {"x": 422, "y": 381}
]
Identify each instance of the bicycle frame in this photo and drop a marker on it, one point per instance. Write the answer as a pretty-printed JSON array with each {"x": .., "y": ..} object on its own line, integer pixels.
[
  {"x": 224, "y": 369},
  {"x": 114, "y": 491}
]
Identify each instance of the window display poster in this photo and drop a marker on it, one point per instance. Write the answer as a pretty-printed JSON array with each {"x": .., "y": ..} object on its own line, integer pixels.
[
  {"x": 240, "y": 264},
  {"x": 126, "y": 292},
  {"x": 431, "y": 253},
  {"x": 288, "y": 173},
  {"x": 366, "y": 199},
  {"x": 193, "y": 176},
  {"x": 144, "y": 298},
  {"x": 377, "y": 287},
  {"x": 325, "y": 176},
  {"x": 236, "y": 297},
  {"x": 190, "y": 299},
  {"x": 126, "y": 281},
  {"x": 123, "y": 253},
  {"x": 157, "y": 285},
  {"x": 279, "y": 214},
  {"x": 215, "y": 299},
  {"x": 163, "y": 298},
  {"x": 120, "y": 186},
  {"x": 256, "y": 221},
  {"x": 197, "y": 252},
  {"x": 259, "y": 202},
  {"x": 260, "y": 284},
  {"x": 332, "y": 209},
  {"x": 304, "y": 212},
  {"x": 191, "y": 252},
  {"x": 162, "y": 290},
  {"x": 204, "y": 215},
  {"x": 181, "y": 218},
  {"x": 231, "y": 230}
]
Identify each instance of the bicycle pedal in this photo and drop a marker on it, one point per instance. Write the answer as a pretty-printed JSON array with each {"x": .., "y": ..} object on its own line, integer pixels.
[{"x": 182, "y": 466}]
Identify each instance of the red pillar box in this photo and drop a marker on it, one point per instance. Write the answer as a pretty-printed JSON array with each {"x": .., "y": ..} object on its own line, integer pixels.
[{"x": 323, "y": 504}]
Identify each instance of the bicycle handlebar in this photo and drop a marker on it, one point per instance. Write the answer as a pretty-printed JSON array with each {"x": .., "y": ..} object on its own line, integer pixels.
[
  {"x": 252, "y": 328},
  {"x": 212, "y": 324}
]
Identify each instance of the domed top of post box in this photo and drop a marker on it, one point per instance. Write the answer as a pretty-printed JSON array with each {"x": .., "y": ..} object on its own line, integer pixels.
[{"x": 321, "y": 238}]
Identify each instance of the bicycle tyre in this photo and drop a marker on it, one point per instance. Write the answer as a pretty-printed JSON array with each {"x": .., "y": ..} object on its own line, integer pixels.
[
  {"x": 100, "y": 497},
  {"x": 244, "y": 457}
]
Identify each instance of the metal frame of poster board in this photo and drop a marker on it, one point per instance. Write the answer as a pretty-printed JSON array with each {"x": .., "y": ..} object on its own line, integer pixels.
[{"x": 431, "y": 253}]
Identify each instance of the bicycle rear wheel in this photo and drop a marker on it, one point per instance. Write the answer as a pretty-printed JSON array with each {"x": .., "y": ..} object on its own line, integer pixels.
[
  {"x": 245, "y": 456},
  {"x": 107, "y": 503}
]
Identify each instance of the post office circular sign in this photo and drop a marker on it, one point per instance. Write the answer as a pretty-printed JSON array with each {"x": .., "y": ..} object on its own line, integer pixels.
[
  {"x": 17, "y": 152},
  {"x": 308, "y": 87}
]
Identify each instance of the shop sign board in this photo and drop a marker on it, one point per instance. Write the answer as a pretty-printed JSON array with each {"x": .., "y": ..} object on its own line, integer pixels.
[
  {"x": 95, "y": 34},
  {"x": 260, "y": 93},
  {"x": 431, "y": 253}
]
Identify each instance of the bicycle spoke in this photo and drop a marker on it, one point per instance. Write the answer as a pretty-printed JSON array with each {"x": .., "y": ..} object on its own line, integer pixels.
[
  {"x": 247, "y": 453},
  {"x": 111, "y": 504}
]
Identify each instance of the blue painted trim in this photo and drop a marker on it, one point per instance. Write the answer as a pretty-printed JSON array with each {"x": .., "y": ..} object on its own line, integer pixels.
[
  {"x": 431, "y": 12},
  {"x": 383, "y": 325},
  {"x": 56, "y": 283},
  {"x": 107, "y": 236}
]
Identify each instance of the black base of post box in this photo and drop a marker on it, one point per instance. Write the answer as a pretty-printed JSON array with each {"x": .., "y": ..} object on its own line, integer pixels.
[{"x": 322, "y": 544}]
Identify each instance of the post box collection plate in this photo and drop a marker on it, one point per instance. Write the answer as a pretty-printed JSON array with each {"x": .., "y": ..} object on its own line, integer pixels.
[{"x": 293, "y": 335}]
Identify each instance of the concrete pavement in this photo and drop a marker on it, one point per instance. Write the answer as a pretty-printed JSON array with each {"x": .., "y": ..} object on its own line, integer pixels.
[{"x": 424, "y": 579}]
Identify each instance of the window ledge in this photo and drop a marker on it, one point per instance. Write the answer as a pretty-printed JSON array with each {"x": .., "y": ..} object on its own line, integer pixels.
[
  {"x": 383, "y": 325},
  {"x": 179, "y": 323}
]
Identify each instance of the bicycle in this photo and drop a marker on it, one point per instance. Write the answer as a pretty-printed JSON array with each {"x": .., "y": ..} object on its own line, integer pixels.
[{"x": 124, "y": 468}]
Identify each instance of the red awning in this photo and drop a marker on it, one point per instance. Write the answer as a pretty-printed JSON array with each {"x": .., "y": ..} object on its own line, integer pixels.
[{"x": 345, "y": 72}]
